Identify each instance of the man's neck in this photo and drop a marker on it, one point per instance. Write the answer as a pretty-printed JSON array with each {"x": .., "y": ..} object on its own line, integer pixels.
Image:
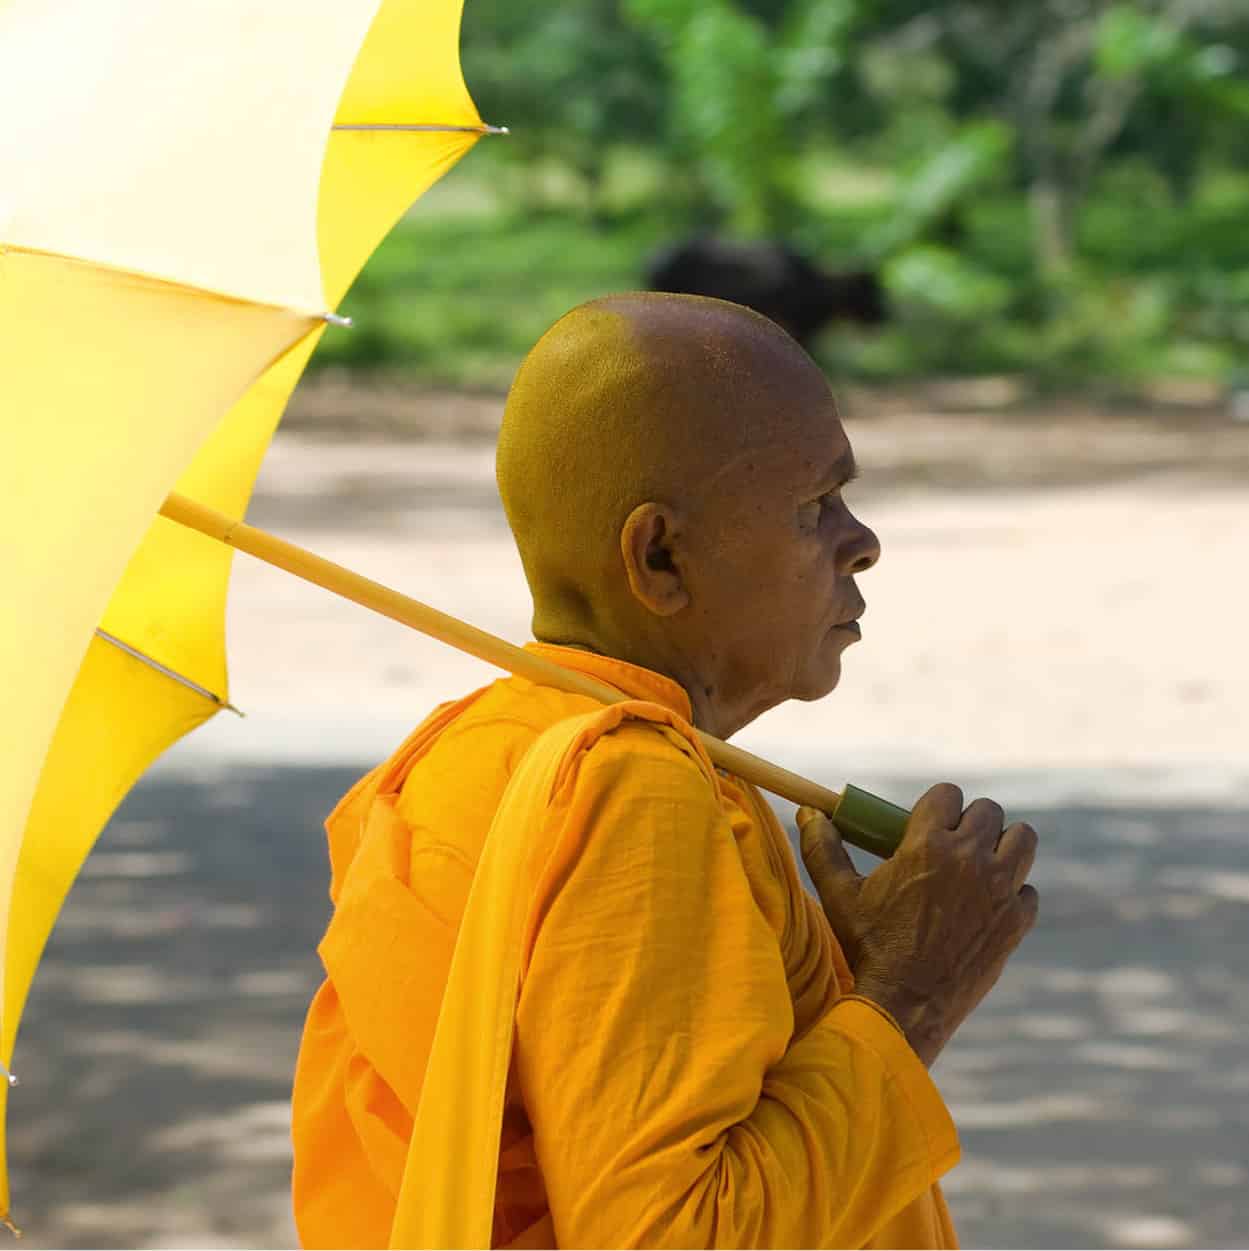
[{"x": 708, "y": 711}]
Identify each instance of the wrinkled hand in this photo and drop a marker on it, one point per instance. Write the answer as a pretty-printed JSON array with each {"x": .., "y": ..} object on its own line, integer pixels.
[{"x": 927, "y": 933}]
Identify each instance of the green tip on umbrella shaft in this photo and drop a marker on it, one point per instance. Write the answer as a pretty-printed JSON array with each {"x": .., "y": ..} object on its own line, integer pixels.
[{"x": 869, "y": 822}]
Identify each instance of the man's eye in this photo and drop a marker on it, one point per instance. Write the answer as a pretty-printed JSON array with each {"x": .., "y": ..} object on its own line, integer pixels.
[{"x": 831, "y": 497}]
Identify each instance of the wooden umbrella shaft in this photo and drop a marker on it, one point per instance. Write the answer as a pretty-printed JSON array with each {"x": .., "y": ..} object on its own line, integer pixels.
[{"x": 488, "y": 647}]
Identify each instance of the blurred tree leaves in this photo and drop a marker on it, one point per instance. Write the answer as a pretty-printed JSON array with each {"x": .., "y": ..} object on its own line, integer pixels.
[
  {"x": 731, "y": 93},
  {"x": 725, "y": 119},
  {"x": 975, "y": 155},
  {"x": 1068, "y": 176},
  {"x": 574, "y": 82},
  {"x": 931, "y": 282}
]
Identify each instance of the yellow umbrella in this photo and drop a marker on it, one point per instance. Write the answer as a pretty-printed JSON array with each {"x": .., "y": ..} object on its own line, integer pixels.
[{"x": 181, "y": 213}]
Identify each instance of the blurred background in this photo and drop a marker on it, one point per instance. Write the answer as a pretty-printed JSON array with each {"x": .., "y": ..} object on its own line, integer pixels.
[
  {"x": 1016, "y": 236},
  {"x": 1067, "y": 178}
]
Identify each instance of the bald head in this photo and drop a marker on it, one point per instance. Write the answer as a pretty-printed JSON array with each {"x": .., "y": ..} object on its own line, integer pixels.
[{"x": 629, "y": 398}]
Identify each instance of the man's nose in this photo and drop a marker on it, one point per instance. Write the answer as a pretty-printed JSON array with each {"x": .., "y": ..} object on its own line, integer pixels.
[{"x": 863, "y": 552}]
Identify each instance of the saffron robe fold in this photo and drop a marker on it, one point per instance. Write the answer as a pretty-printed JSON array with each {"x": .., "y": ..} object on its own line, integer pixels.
[{"x": 685, "y": 1068}]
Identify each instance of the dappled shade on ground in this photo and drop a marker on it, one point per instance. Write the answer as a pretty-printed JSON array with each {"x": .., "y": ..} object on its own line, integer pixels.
[{"x": 1101, "y": 1091}]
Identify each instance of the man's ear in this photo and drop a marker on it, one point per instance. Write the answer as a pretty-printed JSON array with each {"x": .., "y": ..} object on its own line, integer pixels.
[{"x": 648, "y": 542}]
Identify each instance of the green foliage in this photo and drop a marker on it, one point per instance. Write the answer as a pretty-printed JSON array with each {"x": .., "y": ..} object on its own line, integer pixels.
[
  {"x": 972, "y": 159},
  {"x": 815, "y": 48},
  {"x": 725, "y": 115},
  {"x": 573, "y": 82},
  {"x": 932, "y": 283},
  {"x": 1058, "y": 187},
  {"x": 458, "y": 299}
]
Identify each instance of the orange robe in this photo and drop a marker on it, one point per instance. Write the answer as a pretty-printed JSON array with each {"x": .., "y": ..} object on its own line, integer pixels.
[{"x": 687, "y": 1068}]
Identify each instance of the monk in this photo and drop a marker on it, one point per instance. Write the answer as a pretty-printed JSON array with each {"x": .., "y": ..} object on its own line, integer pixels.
[{"x": 703, "y": 1053}]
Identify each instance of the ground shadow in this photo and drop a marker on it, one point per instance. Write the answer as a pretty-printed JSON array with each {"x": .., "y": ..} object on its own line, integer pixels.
[{"x": 1101, "y": 1092}]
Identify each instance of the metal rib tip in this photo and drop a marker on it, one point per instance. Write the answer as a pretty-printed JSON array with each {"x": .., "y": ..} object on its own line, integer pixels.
[
  {"x": 12, "y": 1077},
  {"x": 422, "y": 127},
  {"x": 336, "y": 320},
  {"x": 144, "y": 658}
]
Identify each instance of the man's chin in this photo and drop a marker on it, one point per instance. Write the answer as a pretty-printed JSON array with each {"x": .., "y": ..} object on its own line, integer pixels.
[{"x": 822, "y": 680}]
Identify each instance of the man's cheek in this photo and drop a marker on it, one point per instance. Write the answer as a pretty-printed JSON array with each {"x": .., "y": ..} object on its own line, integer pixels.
[{"x": 813, "y": 572}]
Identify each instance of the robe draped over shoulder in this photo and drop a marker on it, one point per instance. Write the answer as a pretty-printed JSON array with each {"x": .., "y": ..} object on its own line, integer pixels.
[{"x": 688, "y": 1067}]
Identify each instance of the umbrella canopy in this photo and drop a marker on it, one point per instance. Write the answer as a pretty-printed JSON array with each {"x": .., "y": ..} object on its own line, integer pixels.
[{"x": 176, "y": 217}]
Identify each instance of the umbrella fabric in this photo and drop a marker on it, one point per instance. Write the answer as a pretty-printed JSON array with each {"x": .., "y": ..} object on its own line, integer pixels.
[{"x": 161, "y": 252}]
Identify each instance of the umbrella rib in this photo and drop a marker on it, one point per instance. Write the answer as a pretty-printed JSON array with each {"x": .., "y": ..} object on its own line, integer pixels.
[
  {"x": 168, "y": 672},
  {"x": 475, "y": 130}
]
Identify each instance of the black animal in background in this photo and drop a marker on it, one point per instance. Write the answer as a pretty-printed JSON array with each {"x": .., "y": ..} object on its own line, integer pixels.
[{"x": 772, "y": 278}]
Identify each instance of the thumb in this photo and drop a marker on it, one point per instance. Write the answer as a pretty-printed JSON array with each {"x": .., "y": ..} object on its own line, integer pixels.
[{"x": 828, "y": 862}]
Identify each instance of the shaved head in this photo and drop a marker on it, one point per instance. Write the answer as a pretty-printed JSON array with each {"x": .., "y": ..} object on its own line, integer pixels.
[
  {"x": 635, "y": 397},
  {"x": 630, "y": 436}
]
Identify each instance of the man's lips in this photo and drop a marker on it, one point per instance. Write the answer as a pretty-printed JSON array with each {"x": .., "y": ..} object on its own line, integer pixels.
[{"x": 851, "y": 624}]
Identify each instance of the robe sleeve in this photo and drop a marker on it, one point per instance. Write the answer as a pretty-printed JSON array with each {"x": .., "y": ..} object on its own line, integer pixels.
[{"x": 653, "y": 1042}]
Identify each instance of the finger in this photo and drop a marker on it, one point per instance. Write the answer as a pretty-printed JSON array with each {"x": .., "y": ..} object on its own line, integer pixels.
[
  {"x": 983, "y": 820},
  {"x": 1018, "y": 847},
  {"x": 825, "y": 855},
  {"x": 821, "y": 843},
  {"x": 939, "y": 807}
]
